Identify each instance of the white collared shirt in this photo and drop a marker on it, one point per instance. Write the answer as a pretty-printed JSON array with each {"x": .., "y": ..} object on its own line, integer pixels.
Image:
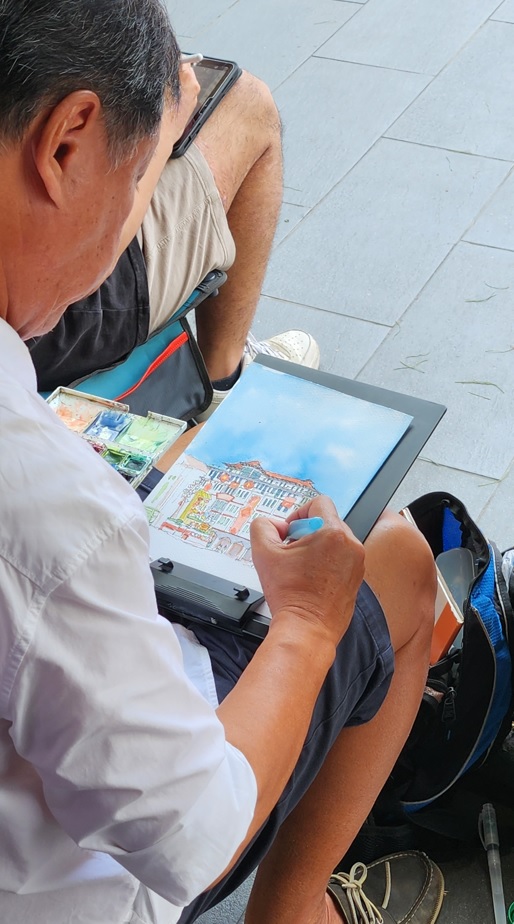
[{"x": 114, "y": 770}]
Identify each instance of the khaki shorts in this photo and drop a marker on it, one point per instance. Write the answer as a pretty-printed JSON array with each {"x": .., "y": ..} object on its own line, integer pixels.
[{"x": 184, "y": 234}]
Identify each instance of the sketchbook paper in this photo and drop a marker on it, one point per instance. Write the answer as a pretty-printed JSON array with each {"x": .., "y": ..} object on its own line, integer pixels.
[{"x": 274, "y": 443}]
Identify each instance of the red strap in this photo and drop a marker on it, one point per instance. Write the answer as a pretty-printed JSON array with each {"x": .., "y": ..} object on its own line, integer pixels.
[{"x": 172, "y": 348}]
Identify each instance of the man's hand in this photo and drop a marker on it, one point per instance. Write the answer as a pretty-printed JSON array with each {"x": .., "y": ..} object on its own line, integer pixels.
[{"x": 315, "y": 579}]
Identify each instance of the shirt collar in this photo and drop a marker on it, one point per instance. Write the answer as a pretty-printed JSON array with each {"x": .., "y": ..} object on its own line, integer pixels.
[{"x": 15, "y": 359}]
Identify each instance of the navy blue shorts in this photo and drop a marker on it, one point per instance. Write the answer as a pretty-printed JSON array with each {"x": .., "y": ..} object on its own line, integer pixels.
[{"x": 352, "y": 694}]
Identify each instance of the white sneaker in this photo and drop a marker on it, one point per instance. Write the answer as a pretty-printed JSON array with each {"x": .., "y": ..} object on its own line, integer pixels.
[{"x": 293, "y": 345}]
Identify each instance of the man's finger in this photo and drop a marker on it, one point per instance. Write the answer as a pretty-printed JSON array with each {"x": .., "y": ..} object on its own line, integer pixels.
[{"x": 268, "y": 532}]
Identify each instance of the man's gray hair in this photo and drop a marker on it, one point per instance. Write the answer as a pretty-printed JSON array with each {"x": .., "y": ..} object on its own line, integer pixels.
[{"x": 123, "y": 50}]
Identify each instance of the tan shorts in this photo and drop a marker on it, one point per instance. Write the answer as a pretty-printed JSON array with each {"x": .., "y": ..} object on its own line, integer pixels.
[{"x": 184, "y": 234}]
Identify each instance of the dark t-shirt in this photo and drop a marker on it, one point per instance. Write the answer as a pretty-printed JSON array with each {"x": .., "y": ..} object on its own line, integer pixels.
[{"x": 99, "y": 330}]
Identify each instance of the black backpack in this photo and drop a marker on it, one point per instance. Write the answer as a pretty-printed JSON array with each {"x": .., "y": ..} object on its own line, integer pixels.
[{"x": 460, "y": 752}]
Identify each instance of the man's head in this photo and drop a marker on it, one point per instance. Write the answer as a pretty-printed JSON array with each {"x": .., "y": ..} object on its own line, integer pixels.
[{"x": 82, "y": 89}]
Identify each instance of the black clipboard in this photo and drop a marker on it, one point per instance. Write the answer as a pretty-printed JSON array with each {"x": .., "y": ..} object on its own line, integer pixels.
[{"x": 189, "y": 596}]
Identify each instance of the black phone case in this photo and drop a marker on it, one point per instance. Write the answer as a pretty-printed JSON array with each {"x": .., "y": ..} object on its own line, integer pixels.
[{"x": 208, "y": 107}]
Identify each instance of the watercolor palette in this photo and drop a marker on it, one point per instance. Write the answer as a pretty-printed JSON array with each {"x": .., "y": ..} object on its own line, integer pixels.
[{"x": 130, "y": 443}]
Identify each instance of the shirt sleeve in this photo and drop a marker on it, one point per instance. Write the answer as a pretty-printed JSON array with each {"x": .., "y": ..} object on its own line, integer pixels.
[{"x": 133, "y": 761}]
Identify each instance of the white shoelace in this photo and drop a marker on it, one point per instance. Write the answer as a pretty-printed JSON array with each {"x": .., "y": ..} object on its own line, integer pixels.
[
  {"x": 362, "y": 909},
  {"x": 253, "y": 347}
]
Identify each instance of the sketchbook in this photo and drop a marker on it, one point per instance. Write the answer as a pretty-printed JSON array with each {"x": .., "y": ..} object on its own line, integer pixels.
[{"x": 282, "y": 436}]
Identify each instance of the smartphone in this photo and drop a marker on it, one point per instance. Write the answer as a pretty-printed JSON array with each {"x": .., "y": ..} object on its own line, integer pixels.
[{"x": 215, "y": 77}]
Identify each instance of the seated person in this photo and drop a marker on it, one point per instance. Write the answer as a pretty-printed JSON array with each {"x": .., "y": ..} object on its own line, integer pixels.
[
  {"x": 216, "y": 207},
  {"x": 144, "y": 771}
]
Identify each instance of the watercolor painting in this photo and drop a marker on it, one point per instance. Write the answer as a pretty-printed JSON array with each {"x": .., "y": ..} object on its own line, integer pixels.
[{"x": 274, "y": 443}]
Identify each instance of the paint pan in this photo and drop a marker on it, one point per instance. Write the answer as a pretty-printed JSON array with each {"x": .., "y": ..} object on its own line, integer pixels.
[
  {"x": 148, "y": 434},
  {"x": 114, "y": 456},
  {"x": 77, "y": 414},
  {"x": 108, "y": 425},
  {"x": 133, "y": 465}
]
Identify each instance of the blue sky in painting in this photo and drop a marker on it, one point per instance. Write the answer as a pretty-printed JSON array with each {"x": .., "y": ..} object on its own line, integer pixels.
[{"x": 304, "y": 430}]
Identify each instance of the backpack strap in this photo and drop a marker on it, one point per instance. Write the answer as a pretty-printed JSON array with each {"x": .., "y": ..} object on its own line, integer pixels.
[{"x": 506, "y": 610}]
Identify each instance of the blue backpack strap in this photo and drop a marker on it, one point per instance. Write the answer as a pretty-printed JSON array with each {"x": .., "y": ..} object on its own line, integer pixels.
[
  {"x": 451, "y": 530},
  {"x": 482, "y": 600}
]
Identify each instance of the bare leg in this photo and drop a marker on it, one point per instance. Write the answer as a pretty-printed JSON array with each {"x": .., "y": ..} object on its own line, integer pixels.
[
  {"x": 291, "y": 882},
  {"x": 241, "y": 142}
]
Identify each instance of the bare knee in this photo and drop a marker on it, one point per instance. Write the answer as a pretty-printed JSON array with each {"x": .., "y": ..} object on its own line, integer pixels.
[
  {"x": 242, "y": 131},
  {"x": 255, "y": 101},
  {"x": 246, "y": 116},
  {"x": 393, "y": 532},
  {"x": 400, "y": 570}
]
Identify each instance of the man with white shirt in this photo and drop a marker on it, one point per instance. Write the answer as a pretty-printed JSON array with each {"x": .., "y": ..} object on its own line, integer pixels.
[{"x": 127, "y": 794}]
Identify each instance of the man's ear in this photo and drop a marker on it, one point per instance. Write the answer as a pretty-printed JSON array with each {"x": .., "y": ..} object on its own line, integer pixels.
[{"x": 67, "y": 139}]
